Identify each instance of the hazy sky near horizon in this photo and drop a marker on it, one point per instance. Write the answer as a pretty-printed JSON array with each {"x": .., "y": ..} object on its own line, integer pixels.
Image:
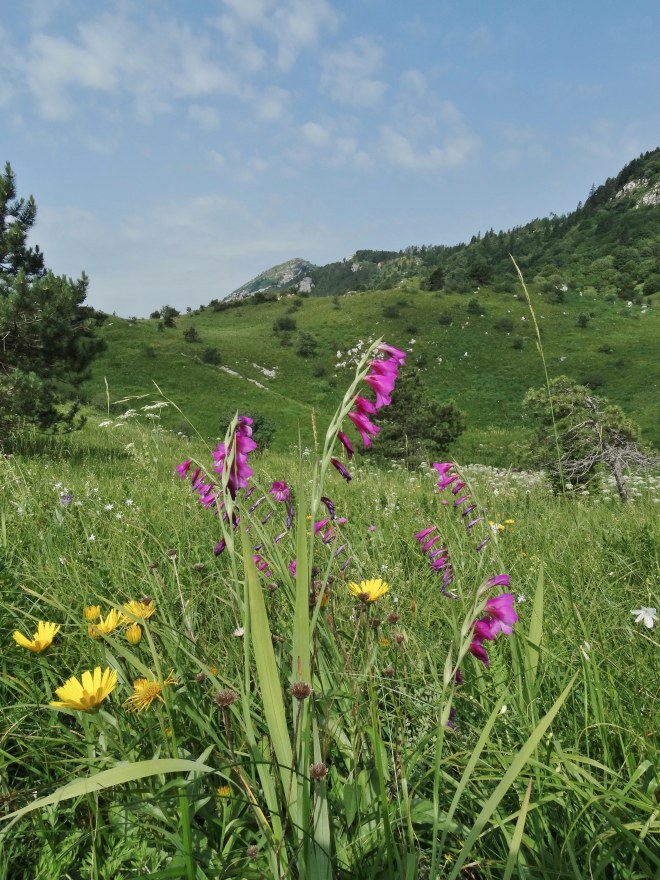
[{"x": 175, "y": 150}]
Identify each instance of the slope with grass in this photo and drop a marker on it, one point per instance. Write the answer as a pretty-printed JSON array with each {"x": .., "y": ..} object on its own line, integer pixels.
[{"x": 483, "y": 358}]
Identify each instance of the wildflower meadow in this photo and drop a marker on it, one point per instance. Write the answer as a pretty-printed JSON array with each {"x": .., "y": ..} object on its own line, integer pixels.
[{"x": 229, "y": 663}]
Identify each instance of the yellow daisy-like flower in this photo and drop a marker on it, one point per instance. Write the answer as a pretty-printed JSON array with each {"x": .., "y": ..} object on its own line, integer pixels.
[
  {"x": 224, "y": 791},
  {"x": 41, "y": 640},
  {"x": 87, "y": 693},
  {"x": 369, "y": 591},
  {"x": 145, "y": 692},
  {"x": 384, "y": 643},
  {"x": 134, "y": 633},
  {"x": 106, "y": 625},
  {"x": 91, "y": 612},
  {"x": 141, "y": 610}
]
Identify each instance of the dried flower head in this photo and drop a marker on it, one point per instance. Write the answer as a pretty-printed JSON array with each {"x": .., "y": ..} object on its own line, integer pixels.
[
  {"x": 301, "y": 690},
  {"x": 318, "y": 771},
  {"x": 225, "y": 698}
]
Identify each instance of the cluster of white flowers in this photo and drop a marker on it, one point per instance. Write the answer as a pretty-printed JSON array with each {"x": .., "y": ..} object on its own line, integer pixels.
[{"x": 352, "y": 357}]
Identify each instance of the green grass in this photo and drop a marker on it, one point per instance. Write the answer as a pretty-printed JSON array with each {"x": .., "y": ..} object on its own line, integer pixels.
[
  {"x": 488, "y": 384},
  {"x": 550, "y": 771}
]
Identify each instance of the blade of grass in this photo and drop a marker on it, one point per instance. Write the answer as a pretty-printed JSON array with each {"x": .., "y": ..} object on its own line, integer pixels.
[
  {"x": 516, "y": 840},
  {"x": 509, "y": 778},
  {"x": 108, "y": 779}
]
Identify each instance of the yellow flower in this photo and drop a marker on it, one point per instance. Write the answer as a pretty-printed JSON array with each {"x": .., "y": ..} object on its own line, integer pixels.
[
  {"x": 509, "y": 522},
  {"x": 369, "y": 591},
  {"x": 145, "y": 692},
  {"x": 87, "y": 693},
  {"x": 41, "y": 640},
  {"x": 134, "y": 633},
  {"x": 107, "y": 624},
  {"x": 92, "y": 612},
  {"x": 384, "y": 643},
  {"x": 224, "y": 791},
  {"x": 142, "y": 610}
]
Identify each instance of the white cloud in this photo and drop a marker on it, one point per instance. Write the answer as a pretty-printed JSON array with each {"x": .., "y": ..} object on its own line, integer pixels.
[
  {"x": 454, "y": 145},
  {"x": 155, "y": 62},
  {"x": 348, "y": 73},
  {"x": 272, "y": 103},
  {"x": 206, "y": 117},
  {"x": 297, "y": 25},
  {"x": 414, "y": 81},
  {"x": 293, "y": 26},
  {"x": 315, "y": 134}
]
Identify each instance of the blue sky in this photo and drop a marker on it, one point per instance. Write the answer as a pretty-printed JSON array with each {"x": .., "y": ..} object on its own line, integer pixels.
[{"x": 177, "y": 149}]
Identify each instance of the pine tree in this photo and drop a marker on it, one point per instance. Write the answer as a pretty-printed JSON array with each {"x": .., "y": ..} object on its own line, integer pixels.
[
  {"x": 46, "y": 334},
  {"x": 415, "y": 428}
]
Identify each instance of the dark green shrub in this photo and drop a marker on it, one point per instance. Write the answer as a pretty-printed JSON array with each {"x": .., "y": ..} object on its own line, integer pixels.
[
  {"x": 284, "y": 324},
  {"x": 211, "y": 355}
]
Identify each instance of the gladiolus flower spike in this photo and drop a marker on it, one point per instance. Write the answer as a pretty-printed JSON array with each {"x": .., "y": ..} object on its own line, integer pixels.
[
  {"x": 381, "y": 378},
  {"x": 438, "y": 557}
]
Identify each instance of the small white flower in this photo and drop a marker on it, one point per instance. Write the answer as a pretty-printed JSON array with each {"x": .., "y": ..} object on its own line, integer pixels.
[
  {"x": 108, "y": 506},
  {"x": 92, "y": 537},
  {"x": 239, "y": 632},
  {"x": 129, "y": 502},
  {"x": 118, "y": 516},
  {"x": 647, "y": 616},
  {"x": 521, "y": 598}
]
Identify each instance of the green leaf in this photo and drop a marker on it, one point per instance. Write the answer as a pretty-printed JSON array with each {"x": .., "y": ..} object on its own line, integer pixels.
[
  {"x": 108, "y": 779},
  {"x": 509, "y": 778}
]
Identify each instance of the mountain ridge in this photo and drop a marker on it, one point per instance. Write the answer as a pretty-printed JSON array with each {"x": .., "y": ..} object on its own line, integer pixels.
[{"x": 565, "y": 245}]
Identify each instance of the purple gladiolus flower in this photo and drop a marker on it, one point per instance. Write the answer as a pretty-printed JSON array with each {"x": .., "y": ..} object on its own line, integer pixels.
[
  {"x": 421, "y": 535},
  {"x": 484, "y": 629},
  {"x": 293, "y": 565},
  {"x": 500, "y": 580},
  {"x": 321, "y": 524},
  {"x": 364, "y": 406},
  {"x": 348, "y": 446},
  {"x": 396, "y": 353},
  {"x": 280, "y": 490},
  {"x": 366, "y": 427},
  {"x": 256, "y": 504},
  {"x": 240, "y": 445},
  {"x": 383, "y": 386},
  {"x": 342, "y": 470},
  {"x": 219, "y": 547},
  {"x": 183, "y": 468},
  {"x": 262, "y": 565},
  {"x": 329, "y": 504},
  {"x": 502, "y": 613},
  {"x": 478, "y": 650}
]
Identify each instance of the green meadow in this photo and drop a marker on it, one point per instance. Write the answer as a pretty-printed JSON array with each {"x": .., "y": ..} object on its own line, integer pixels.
[
  {"x": 253, "y": 719},
  {"x": 476, "y": 360}
]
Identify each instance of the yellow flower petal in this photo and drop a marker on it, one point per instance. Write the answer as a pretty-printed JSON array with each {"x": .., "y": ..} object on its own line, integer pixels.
[
  {"x": 369, "y": 590},
  {"x": 87, "y": 693}
]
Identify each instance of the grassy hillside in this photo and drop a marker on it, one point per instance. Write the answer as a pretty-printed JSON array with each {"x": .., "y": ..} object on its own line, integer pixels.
[
  {"x": 611, "y": 242},
  {"x": 484, "y": 361}
]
